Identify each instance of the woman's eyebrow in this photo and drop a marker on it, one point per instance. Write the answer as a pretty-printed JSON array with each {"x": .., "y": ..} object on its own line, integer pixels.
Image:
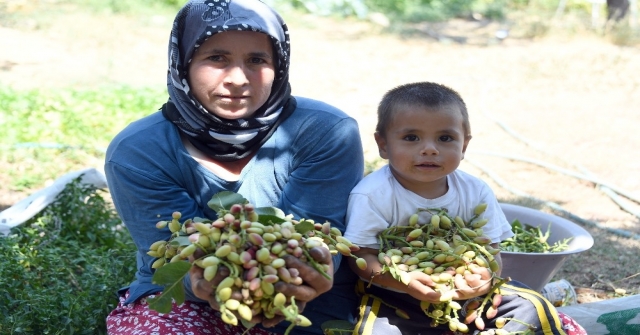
[
  {"x": 260, "y": 54},
  {"x": 215, "y": 51}
]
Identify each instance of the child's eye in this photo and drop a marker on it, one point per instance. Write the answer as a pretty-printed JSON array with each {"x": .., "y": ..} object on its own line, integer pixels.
[
  {"x": 446, "y": 138},
  {"x": 411, "y": 138}
]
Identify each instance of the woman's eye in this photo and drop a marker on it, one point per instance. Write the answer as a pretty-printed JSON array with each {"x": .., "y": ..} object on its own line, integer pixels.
[
  {"x": 215, "y": 58},
  {"x": 256, "y": 60}
]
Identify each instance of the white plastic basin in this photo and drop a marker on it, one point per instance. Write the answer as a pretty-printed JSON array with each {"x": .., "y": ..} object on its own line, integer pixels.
[{"x": 537, "y": 269}]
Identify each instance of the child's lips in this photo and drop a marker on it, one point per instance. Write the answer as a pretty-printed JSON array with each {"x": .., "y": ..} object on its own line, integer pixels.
[{"x": 428, "y": 165}]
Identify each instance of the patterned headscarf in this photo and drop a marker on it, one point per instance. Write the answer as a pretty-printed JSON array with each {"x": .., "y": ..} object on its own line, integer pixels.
[{"x": 219, "y": 138}]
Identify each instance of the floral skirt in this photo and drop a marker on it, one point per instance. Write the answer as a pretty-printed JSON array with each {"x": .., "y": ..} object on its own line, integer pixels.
[
  {"x": 570, "y": 326},
  {"x": 190, "y": 318}
]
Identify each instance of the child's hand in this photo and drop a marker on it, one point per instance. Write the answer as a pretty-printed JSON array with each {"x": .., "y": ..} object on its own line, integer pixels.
[
  {"x": 421, "y": 287},
  {"x": 472, "y": 285}
]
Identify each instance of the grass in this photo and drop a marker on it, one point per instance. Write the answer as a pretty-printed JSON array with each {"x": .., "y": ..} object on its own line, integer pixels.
[{"x": 49, "y": 133}]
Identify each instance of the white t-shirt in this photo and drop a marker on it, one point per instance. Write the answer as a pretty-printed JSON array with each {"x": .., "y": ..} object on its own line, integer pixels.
[{"x": 379, "y": 202}]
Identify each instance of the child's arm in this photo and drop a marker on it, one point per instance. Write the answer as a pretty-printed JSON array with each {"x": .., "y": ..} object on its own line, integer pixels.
[{"x": 420, "y": 286}]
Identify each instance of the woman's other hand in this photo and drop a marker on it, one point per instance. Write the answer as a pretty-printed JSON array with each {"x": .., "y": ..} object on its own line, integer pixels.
[
  {"x": 314, "y": 282},
  {"x": 205, "y": 289}
]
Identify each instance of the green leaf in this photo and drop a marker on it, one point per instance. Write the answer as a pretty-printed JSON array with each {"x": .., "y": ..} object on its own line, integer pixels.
[
  {"x": 270, "y": 211},
  {"x": 394, "y": 274},
  {"x": 171, "y": 273},
  {"x": 170, "y": 276},
  {"x": 516, "y": 223},
  {"x": 304, "y": 226},
  {"x": 270, "y": 215},
  {"x": 247, "y": 324},
  {"x": 222, "y": 201}
]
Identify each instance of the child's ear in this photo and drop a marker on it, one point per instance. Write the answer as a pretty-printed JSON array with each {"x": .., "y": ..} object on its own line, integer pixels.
[
  {"x": 466, "y": 143},
  {"x": 382, "y": 145}
]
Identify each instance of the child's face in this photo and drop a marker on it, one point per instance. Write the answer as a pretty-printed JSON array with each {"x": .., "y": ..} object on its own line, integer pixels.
[{"x": 423, "y": 145}]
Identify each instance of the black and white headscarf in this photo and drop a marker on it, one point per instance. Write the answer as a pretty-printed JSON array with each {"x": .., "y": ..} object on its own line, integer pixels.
[{"x": 218, "y": 138}]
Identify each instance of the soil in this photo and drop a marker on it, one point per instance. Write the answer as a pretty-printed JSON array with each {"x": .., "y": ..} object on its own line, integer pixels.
[{"x": 554, "y": 120}]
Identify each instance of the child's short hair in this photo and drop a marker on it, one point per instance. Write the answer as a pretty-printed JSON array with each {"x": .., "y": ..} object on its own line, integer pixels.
[{"x": 421, "y": 94}]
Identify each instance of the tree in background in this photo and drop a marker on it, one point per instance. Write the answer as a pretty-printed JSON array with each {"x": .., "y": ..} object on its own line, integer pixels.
[{"x": 617, "y": 9}]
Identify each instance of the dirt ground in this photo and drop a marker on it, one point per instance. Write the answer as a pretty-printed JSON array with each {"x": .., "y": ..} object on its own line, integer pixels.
[{"x": 551, "y": 118}]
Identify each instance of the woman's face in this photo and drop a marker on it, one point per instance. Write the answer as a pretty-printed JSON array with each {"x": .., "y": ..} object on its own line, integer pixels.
[{"x": 232, "y": 72}]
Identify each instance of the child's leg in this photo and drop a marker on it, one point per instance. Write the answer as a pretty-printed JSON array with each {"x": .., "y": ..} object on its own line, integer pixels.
[
  {"x": 384, "y": 312},
  {"x": 524, "y": 307}
]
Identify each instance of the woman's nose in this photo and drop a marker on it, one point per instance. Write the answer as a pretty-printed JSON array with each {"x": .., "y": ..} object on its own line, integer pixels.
[{"x": 236, "y": 76}]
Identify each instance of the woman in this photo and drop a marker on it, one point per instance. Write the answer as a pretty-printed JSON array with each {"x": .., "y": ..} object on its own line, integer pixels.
[{"x": 231, "y": 123}]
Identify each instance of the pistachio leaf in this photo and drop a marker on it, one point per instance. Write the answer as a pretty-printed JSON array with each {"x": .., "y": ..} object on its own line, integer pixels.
[
  {"x": 270, "y": 215},
  {"x": 222, "y": 201},
  {"x": 247, "y": 324},
  {"x": 304, "y": 226},
  {"x": 170, "y": 276}
]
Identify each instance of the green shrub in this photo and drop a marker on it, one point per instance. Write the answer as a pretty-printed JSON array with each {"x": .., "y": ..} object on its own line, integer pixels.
[{"x": 61, "y": 269}]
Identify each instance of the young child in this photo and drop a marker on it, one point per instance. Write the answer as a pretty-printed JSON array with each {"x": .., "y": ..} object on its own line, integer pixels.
[{"x": 423, "y": 131}]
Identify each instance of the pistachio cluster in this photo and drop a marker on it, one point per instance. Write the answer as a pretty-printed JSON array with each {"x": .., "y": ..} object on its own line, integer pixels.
[
  {"x": 443, "y": 247},
  {"x": 251, "y": 246}
]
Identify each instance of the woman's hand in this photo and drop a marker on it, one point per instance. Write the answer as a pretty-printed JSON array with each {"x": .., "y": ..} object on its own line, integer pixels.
[
  {"x": 314, "y": 283},
  {"x": 205, "y": 289}
]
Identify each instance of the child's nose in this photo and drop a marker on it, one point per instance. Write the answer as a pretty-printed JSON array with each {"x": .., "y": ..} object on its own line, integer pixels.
[{"x": 429, "y": 148}]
